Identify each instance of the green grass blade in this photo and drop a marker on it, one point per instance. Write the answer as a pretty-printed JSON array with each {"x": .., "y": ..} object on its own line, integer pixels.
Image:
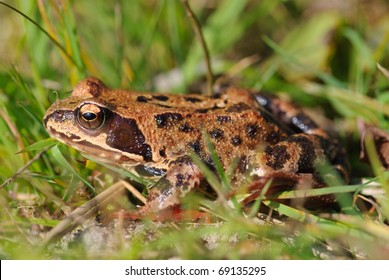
[
  {"x": 39, "y": 145},
  {"x": 326, "y": 226},
  {"x": 65, "y": 164},
  {"x": 126, "y": 173},
  {"x": 317, "y": 192},
  {"x": 41, "y": 29},
  {"x": 218, "y": 165}
]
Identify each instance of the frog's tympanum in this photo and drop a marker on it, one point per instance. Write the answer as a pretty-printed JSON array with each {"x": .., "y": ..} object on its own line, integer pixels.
[{"x": 155, "y": 134}]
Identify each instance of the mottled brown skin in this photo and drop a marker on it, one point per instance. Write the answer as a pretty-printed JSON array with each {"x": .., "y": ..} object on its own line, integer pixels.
[{"x": 156, "y": 134}]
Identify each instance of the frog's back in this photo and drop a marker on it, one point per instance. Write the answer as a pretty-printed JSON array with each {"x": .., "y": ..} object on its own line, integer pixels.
[{"x": 233, "y": 121}]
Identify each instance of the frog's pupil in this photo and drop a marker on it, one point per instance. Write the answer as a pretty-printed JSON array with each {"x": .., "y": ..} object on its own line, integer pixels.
[{"x": 89, "y": 116}]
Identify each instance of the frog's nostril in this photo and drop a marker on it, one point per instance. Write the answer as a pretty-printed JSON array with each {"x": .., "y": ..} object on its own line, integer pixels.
[{"x": 58, "y": 114}]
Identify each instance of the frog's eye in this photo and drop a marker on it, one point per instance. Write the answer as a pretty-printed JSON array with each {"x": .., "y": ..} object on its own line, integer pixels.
[{"x": 90, "y": 116}]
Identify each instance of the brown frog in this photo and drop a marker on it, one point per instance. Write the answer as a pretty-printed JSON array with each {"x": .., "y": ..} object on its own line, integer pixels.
[{"x": 155, "y": 134}]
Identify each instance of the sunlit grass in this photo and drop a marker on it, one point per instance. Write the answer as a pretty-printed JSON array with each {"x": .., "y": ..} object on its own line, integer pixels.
[{"x": 322, "y": 59}]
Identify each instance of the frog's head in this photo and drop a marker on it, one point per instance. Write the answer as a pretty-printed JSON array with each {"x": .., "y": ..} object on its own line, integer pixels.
[{"x": 87, "y": 121}]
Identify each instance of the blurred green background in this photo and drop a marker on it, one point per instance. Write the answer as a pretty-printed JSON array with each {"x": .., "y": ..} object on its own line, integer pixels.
[{"x": 322, "y": 54}]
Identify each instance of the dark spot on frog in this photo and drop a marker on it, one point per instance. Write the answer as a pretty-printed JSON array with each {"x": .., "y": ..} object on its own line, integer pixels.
[
  {"x": 181, "y": 160},
  {"x": 95, "y": 87},
  {"x": 183, "y": 181},
  {"x": 179, "y": 180},
  {"x": 252, "y": 130},
  {"x": 223, "y": 119},
  {"x": 142, "y": 98},
  {"x": 161, "y": 97},
  {"x": 195, "y": 146},
  {"x": 306, "y": 162},
  {"x": 276, "y": 156},
  {"x": 216, "y": 133},
  {"x": 124, "y": 134},
  {"x": 185, "y": 127},
  {"x": 272, "y": 137},
  {"x": 236, "y": 140},
  {"x": 162, "y": 153},
  {"x": 192, "y": 99},
  {"x": 165, "y": 119},
  {"x": 239, "y": 107},
  {"x": 216, "y": 95},
  {"x": 144, "y": 170}
]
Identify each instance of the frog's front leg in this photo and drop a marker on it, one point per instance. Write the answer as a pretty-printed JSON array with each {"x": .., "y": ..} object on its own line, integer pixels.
[{"x": 182, "y": 176}]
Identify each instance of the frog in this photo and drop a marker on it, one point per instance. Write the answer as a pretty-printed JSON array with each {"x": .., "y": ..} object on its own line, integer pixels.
[{"x": 157, "y": 135}]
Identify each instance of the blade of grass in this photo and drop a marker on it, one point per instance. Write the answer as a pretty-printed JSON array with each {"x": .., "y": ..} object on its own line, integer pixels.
[
  {"x": 257, "y": 203},
  {"x": 199, "y": 35},
  {"x": 65, "y": 164},
  {"x": 36, "y": 102},
  {"x": 147, "y": 39},
  {"x": 43, "y": 30},
  {"x": 327, "y": 78},
  {"x": 42, "y": 144},
  {"x": 359, "y": 104},
  {"x": 325, "y": 226},
  {"x": 218, "y": 165},
  {"x": 124, "y": 172},
  {"x": 316, "y": 192},
  {"x": 71, "y": 188},
  {"x": 73, "y": 41},
  {"x": 210, "y": 176},
  {"x": 225, "y": 18},
  {"x": 23, "y": 168}
]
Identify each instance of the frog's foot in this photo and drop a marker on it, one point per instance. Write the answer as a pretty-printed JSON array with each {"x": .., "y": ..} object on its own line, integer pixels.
[
  {"x": 183, "y": 176},
  {"x": 164, "y": 198}
]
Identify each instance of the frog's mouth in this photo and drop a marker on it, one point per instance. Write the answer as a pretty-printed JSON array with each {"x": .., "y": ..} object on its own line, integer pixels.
[
  {"x": 100, "y": 153},
  {"x": 61, "y": 126}
]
